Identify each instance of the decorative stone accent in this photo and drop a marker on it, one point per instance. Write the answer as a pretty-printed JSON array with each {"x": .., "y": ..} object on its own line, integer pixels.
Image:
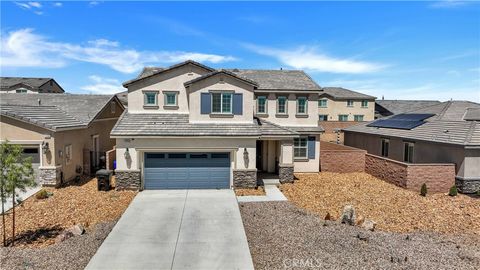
[
  {"x": 48, "y": 176},
  {"x": 285, "y": 173},
  {"x": 127, "y": 180},
  {"x": 467, "y": 185},
  {"x": 244, "y": 178}
]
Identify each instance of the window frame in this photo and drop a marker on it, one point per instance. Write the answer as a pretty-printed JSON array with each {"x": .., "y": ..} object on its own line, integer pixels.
[
  {"x": 145, "y": 98},
  {"x": 364, "y": 103},
  {"x": 21, "y": 91},
  {"x": 299, "y": 146},
  {"x": 323, "y": 100},
  {"x": 407, "y": 147},
  {"x": 264, "y": 105},
  {"x": 285, "y": 105},
  {"x": 358, "y": 115},
  {"x": 325, "y": 115},
  {"x": 221, "y": 102},
  {"x": 350, "y": 101},
  {"x": 339, "y": 118},
  {"x": 385, "y": 147},
  {"x": 68, "y": 154},
  {"x": 306, "y": 105},
  {"x": 165, "y": 98}
]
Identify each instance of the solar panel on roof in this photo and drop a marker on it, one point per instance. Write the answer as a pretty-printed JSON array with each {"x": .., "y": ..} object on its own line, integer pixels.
[
  {"x": 412, "y": 116},
  {"x": 398, "y": 124}
]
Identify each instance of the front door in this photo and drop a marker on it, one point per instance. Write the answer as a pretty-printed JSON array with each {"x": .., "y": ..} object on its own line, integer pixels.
[{"x": 259, "y": 155}]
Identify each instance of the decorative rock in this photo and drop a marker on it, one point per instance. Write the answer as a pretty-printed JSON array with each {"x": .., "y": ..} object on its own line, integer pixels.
[
  {"x": 362, "y": 237},
  {"x": 360, "y": 220},
  {"x": 328, "y": 217},
  {"x": 77, "y": 230},
  {"x": 348, "y": 215},
  {"x": 369, "y": 225},
  {"x": 63, "y": 236}
]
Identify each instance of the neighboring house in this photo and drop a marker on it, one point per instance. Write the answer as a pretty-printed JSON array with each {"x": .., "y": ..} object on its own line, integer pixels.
[
  {"x": 339, "y": 108},
  {"x": 191, "y": 126},
  {"x": 385, "y": 108},
  {"x": 449, "y": 134},
  {"x": 66, "y": 135},
  {"x": 29, "y": 85}
]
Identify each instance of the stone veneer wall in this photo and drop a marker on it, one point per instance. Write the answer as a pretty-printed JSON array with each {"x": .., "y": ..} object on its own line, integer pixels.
[
  {"x": 285, "y": 173},
  {"x": 49, "y": 176},
  {"x": 127, "y": 180},
  {"x": 340, "y": 158},
  {"x": 244, "y": 178},
  {"x": 437, "y": 177},
  {"x": 466, "y": 185}
]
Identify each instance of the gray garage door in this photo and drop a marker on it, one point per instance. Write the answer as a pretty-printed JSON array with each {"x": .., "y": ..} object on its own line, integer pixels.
[{"x": 187, "y": 170}]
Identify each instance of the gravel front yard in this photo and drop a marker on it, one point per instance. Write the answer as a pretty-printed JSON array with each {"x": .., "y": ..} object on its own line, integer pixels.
[
  {"x": 73, "y": 253},
  {"x": 283, "y": 236},
  {"x": 259, "y": 191}
]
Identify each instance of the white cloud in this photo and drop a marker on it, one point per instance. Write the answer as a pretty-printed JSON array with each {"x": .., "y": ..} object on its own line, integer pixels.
[
  {"x": 24, "y": 48},
  {"x": 35, "y": 4},
  {"x": 101, "y": 85},
  {"x": 57, "y": 4},
  {"x": 93, "y": 3},
  {"x": 35, "y": 7},
  {"x": 449, "y": 4},
  {"x": 23, "y": 5},
  {"x": 308, "y": 58}
]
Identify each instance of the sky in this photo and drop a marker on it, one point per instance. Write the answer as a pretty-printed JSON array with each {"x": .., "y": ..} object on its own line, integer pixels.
[{"x": 396, "y": 50}]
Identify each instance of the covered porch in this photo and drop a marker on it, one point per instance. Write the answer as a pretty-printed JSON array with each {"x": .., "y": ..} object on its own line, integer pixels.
[{"x": 274, "y": 160}]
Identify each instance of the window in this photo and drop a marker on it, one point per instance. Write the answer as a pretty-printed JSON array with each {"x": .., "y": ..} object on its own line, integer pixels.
[
  {"x": 220, "y": 155},
  {"x": 282, "y": 105},
  {"x": 349, "y": 103},
  {"x": 155, "y": 155},
  {"x": 113, "y": 107},
  {"x": 323, "y": 117},
  {"x": 30, "y": 150},
  {"x": 300, "y": 148},
  {"x": 21, "y": 90},
  {"x": 261, "y": 104},
  {"x": 343, "y": 117},
  {"x": 198, "y": 155},
  {"x": 301, "y": 105},
  {"x": 170, "y": 99},
  {"x": 408, "y": 152},
  {"x": 222, "y": 103},
  {"x": 385, "y": 146},
  {"x": 150, "y": 98},
  {"x": 322, "y": 103},
  {"x": 68, "y": 154},
  {"x": 364, "y": 103},
  {"x": 358, "y": 118},
  {"x": 177, "y": 155}
]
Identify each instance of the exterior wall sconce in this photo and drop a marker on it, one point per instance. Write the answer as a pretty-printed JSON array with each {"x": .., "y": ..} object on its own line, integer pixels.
[
  {"x": 126, "y": 154},
  {"x": 45, "y": 148},
  {"x": 246, "y": 159}
]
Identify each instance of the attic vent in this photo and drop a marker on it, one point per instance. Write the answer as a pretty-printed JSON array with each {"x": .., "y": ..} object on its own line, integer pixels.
[{"x": 39, "y": 102}]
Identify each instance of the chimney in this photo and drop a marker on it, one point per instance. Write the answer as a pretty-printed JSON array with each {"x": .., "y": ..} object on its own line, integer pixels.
[
  {"x": 39, "y": 102},
  {"x": 383, "y": 97}
]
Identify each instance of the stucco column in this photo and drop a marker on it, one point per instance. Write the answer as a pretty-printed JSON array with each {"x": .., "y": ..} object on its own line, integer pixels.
[
  {"x": 285, "y": 168},
  {"x": 271, "y": 156}
]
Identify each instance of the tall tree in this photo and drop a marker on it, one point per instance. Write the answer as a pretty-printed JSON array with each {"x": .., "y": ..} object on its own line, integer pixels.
[
  {"x": 4, "y": 150},
  {"x": 19, "y": 176}
]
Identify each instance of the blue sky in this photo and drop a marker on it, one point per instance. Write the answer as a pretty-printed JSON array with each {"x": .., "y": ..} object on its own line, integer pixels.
[{"x": 399, "y": 50}]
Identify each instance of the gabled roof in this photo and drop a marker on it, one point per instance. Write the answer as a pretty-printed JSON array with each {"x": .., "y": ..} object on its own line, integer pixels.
[
  {"x": 279, "y": 79},
  {"x": 342, "y": 93},
  {"x": 403, "y": 106},
  {"x": 270, "y": 129},
  {"x": 472, "y": 114},
  {"x": 77, "y": 110},
  {"x": 222, "y": 71},
  {"x": 152, "y": 71},
  {"x": 449, "y": 110},
  {"x": 34, "y": 83}
]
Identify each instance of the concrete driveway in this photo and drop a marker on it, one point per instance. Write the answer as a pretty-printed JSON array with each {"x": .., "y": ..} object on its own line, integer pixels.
[{"x": 177, "y": 229}]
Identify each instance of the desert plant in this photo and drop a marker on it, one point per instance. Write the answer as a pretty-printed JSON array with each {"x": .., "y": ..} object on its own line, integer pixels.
[
  {"x": 453, "y": 191},
  {"x": 42, "y": 194},
  {"x": 423, "y": 190}
]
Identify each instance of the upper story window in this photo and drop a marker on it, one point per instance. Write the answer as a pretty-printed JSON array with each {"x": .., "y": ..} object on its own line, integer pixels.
[
  {"x": 300, "y": 147},
  {"x": 358, "y": 118},
  {"x": 343, "y": 117},
  {"x": 222, "y": 103},
  {"x": 323, "y": 117},
  {"x": 364, "y": 103},
  {"x": 21, "y": 90},
  {"x": 282, "y": 105},
  {"x": 170, "y": 98},
  {"x": 261, "y": 104},
  {"x": 302, "y": 105},
  {"x": 385, "y": 146},
  {"x": 150, "y": 98},
  {"x": 322, "y": 103},
  {"x": 408, "y": 151},
  {"x": 349, "y": 103}
]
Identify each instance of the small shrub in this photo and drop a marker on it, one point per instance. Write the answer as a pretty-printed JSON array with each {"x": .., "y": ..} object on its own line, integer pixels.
[
  {"x": 423, "y": 190},
  {"x": 453, "y": 191},
  {"x": 42, "y": 194}
]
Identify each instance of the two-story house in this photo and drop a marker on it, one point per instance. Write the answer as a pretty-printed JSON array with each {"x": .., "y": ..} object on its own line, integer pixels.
[
  {"x": 339, "y": 108},
  {"x": 192, "y": 126},
  {"x": 22, "y": 85}
]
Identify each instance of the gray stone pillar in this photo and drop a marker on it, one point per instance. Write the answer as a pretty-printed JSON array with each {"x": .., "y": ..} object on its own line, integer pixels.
[
  {"x": 245, "y": 178},
  {"x": 285, "y": 173},
  {"x": 127, "y": 179}
]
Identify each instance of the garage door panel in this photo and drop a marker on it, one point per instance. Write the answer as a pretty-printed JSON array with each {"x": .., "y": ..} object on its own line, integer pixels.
[{"x": 196, "y": 170}]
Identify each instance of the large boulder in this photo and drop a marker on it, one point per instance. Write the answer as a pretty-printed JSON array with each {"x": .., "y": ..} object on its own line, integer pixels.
[
  {"x": 77, "y": 230},
  {"x": 348, "y": 215}
]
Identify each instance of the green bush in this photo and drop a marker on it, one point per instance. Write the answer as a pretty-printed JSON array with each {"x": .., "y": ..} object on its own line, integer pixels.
[
  {"x": 42, "y": 194},
  {"x": 423, "y": 190},
  {"x": 453, "y": 191}
]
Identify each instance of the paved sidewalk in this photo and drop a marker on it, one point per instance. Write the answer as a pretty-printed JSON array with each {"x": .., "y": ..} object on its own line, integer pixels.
[
  {"x": 23, "y": 195},
  {"x": 272, "y": 194},
  {"x": 177, "y": 229}
]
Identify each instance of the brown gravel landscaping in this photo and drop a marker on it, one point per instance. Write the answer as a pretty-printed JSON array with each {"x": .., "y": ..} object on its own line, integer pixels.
[
  {"x": 283, "y": 236},
  {"x": 259, "y": 191},
  {"x": 393, "y": 208},
  {"x": 39, "y": 221}
]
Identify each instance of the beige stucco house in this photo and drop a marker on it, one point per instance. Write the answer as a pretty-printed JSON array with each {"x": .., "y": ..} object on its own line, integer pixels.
[
  {"x": 191, "y": 126},
  {"x": 66, "y": 135},
  {"x": 449, "y": 132},
  {"x": 23, "y": 85}
]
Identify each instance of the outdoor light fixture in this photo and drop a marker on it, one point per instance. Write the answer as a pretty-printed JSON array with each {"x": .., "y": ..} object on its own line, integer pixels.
[
  {"x": 45, "y": 148},
  {"x": 127, "y": 154},
  {"x": 245, "y": 157}
]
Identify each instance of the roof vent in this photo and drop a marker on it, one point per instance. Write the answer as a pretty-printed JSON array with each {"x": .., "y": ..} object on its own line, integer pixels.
[
  {"x": 445, "y": 131},
  {"x": 235, "y": 70},
  {"x": 39, "y": 102},
  {"x": 281, "y": 68}
]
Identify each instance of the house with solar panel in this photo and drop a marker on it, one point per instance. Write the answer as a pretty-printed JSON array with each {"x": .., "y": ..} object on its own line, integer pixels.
[{"x": 448, "y": 132}]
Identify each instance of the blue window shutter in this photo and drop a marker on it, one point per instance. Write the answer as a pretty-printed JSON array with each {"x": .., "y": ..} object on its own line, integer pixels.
[
  {"x": 205, "y": 103},
  {"x": 311, "y": 147},
  {"x": 238, "y": 104}
]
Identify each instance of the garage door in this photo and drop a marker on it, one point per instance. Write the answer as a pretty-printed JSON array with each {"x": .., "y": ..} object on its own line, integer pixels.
[{"x": 187, "y": 170}]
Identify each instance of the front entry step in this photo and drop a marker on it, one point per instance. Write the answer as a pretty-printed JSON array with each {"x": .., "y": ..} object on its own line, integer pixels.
[{"x": 274, "y": 182}]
